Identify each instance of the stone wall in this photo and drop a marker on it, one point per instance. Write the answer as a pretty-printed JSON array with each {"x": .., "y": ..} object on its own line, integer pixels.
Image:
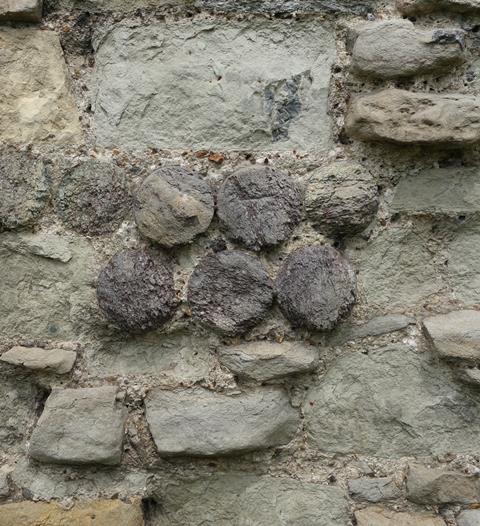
[{"x": 240, "y": 263}]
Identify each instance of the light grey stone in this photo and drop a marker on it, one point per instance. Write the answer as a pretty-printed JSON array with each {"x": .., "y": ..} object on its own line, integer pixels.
[
  {"x": 58, "y": 361},
  {"x": 469, "y": 518},
  {"x": 418, "y": 7},
  {"x": 439, "y": 486},
  {"x": 200, "y": 422},
  {"x": 391, "y": 402},
  {"x": 4, "y": 486},
  {"x": 50, "y": 246},
  {"x": 263, "y": 361},
  {"x": 469, "y": 376},
  {"x": 455, "y": 335},
  {"x": 256, "y": 85},
  {"x": 376, "y": 516},
  {"x": 403, "y": 117},
  {"x": 395, "y": 48},
  {"x": 21, "y": 10},
  {"x": 80, "y": 426},
  {"x": 373, "y": 489}
]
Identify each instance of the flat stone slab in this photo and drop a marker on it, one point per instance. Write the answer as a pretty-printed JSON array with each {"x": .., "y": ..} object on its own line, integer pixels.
[
  {"x": 256, "y": 85},
  {"x": 199, "y": 422},
  {"x": 21, "y": 10},
  {"x": 80, "y": 426},
  {"x": 36, "y": 104},
  {"x": 403, "y": 117},
  {"x": 376, "y": 516},
  {"x": 58, "y": 361},
  {"x": 374, "y": 489},
  {"x": 418, "y": 7},
  {"x": 374, "y": 327}
]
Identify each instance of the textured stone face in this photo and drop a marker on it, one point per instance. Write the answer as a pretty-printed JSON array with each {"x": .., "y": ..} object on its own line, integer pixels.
[
  {"x": 259, "y": 207},
  {"x": 315, "y": 287},
  {"x": 199, "y": 422},
  {"x": 394, "y": 48},
  {"x": 135, "y": 291},
  {"x": 373, "y": 490},
  {"x": 58, "y": 361},
  {"x": 414, "y": 7},
  {"x": 262, "y": 361},
  {"x": 469, "y": 518},
  {"x": 341, "y": 198},
  {"x": 374, "y": 327},
  {"x": 267, "y": 91},
  {"x": 21, "y": 10},
  {"x": 24, "y": 189},
  {"x": 80, "y": 426},
  {"x": 230, "y": 291},
  {"x": 93, "y": 198},
  {"x": 173, "y": 206},
  {"x": 412, "y": 408},
  {"x": 376, "y": 516},
  {"x": 36, "y": 105},
  {"x": 290, "y": 6},
  {"x": 403, "y": 117}
]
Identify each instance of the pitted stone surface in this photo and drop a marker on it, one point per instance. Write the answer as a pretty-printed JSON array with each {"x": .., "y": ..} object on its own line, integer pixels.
[
  {"x": 259, "y": 207},
  {"x": 341, "y": 198},
  {"x": 173, "y": 206},
  {"x": 199, "y": 422},
  {"x": 135, "y": 290},
  {"x": 58, "y": 361},
  {"x": 376, "y": 516},
  {"x": 256, "y": 85},
  {"x": 404, "y": 117},
  {"x": 417, "y": 7},
  {"x": 315, "y": 287},
  {"x": 80, "y": 426},
  {"x": 21, "y": 10},
  {"x": 230, "y": 291},
  {"x": 93, "y": 198},
  {"x": 36, "y": 105},
  {"x": 373, "y": 489},
  {"x": 394, "y": 48}
]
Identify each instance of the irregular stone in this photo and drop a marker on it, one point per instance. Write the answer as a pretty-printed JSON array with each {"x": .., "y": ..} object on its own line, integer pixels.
[
  {"x": 93, "y": 197},
  {"x": 414, "y": 7},
  {"x": 56, "y": 360},
  {"x": 230, "y": 291},
  {"x": 395, "y": 48},
  {"x": 403, "y": 117},
  {"x": 455, "y": 335},
  {"x": 80, "y": 426},
  {"x": 94, "y": 513},
  {"x": 290, "y": 6},
  {"x": 393, "y": 402},
  {"x": 36, "y": 104},
  {"x": 469, "y": 518},
  {"x": 262, "y": 361},
  {"x": 280, "y": 103},
  {"x": 438, "y": 486},
  {"x": 315, "y": 287},
  {"x": 24, "y": 189},
  {"x": 173, "y": 206},
  {"x": 375, "y": 327},
  {"x": 136, "y": 292},
  {"x": 259, "y": 207},
  {"x": 122, "y": 6},
  {"x": 199, "y": 422},
  {"x": 374, "y": 490},
  {"x": 237, "y": 499},
  {"x": 21, "y": 11},
  {"x": 341, "y": 198},
  {"x": 376, "y": 516},
  {"x": 469, "y": 376},
  {"x": 50, "y": 246}
]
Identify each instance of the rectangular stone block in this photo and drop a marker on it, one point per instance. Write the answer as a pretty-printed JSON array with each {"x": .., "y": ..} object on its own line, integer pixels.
[
  {"x": 376, "y": 516},
  {"x": 219, "y": 85},
  {"x": 21, "y": 10}
]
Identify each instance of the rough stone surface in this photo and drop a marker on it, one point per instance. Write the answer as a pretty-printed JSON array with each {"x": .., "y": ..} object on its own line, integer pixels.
[
  {"x": 455, "y": 335},
  {"x": 199, "y": 422},
  {"x": 45, "y": 245},
  {"x": 259, "y": 207},
  {"x": 173, "y": 206},
  {"x": 438, "y": 486},
  {"x": 230, "y": 291},
  {"x": 414, "y": 7},
  {"x": 93, "y": 198},
  {"x": 58, "y": 361},
  {"x": 395, "y": 48},
  {"x": 135, "y": 290},
  {"x": 404, "y": 117},
  {"x": 469, "y": 518},
  {"x": 341, "y": 198},
  {"x": 24, "y": 189},
  {"x": 267, "y": 89},
  {"x": 413, "y": 407},
  {"x": 373, "y": 490},
  {"x": 263, "y": 361},
  {"x": 21, "y": 10},
  {"x": 290, "y": 6},
  {"x": 376, "y": 516},
  {"x": 80, "y": 426},
  {"x": 315, "y": 287},
  {"x": 469, "y": 376},
  {"x": 4, "y": 486},
  {"x": 240, "y": 499},
  {"x": 36, "y": 104},
  {"x": 96, "y": 513}
]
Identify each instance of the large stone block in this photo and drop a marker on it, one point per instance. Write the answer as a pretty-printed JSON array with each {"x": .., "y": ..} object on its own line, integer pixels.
[
  {"x": 215, "y": 85},
  {"x": 391, "y": 402},
  {"x": 420, "y": 7},
  {"x": 204, "y": 423},
  {"x": 403, "y": 117},
  {"x": 36, "y": 104},
  {"x": 21, "y": 10}
]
